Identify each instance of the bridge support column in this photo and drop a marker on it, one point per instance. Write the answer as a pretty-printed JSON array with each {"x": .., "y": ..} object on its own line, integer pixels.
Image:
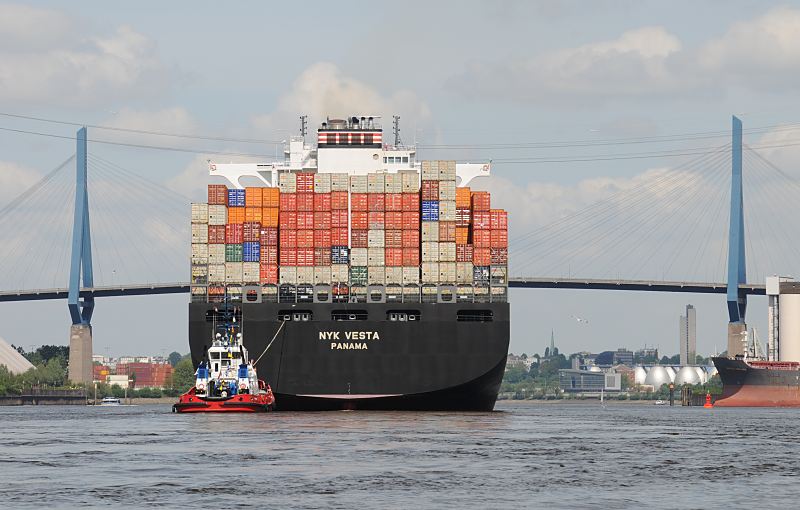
[
  {"x": 737, "y": 268},
  {"x": 80, "y": 354}
]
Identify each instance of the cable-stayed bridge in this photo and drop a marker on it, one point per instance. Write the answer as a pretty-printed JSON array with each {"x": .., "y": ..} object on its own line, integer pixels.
[{"x": 678, "y": 229}]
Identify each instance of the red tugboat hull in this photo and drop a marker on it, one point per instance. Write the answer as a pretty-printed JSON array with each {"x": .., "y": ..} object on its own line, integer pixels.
[{"x": 189, "y": 402}]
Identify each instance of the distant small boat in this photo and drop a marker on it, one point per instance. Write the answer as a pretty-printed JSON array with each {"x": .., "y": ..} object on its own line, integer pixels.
[
  {"x": 110, "y": 401},
  {"x": 661, "y": 402}
]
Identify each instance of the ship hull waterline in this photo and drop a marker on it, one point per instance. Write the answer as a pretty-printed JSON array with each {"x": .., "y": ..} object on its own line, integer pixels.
[{"x": 746, "y": 386}]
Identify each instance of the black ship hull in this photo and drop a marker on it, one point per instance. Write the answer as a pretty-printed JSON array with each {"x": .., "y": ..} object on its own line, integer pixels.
[
  {"x": 451, "y": 357},
  {"x": 758, "y": 384}
]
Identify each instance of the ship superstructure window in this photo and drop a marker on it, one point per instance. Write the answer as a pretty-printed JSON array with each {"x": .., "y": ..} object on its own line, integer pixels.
[
  {"x": 349, "y": 315},
  {"x": 403, "y": 315},
  {"x": 405, "y": 159},
  {"x": 295, "y": 315},
  {"x": 475, "y": 316}
]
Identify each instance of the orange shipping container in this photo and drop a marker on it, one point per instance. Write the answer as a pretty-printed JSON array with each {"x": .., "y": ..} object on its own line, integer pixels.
[
  {"x": 447, "y": 231},
  {"x": 410, "y": 257},
  {"x": 269, "y": 236},
  {"x": 322, "y": 202},
  {"x": 411, "y": 220},
  {"x": 481, "y": 256},
  {"x": 288, "y": 256},
  {"x": 359, "y": 202},
  {"x": 269, "y": 216},
  {"x": 305, "y": 257},
  {"x": 481, "y": 220},
  {"x": 270, "y": 197},
  {"x": 268, "y": 273},
  {"x": 339, "y": 218},
  {"x": 464, "y": 253},
  {"x": 288, "y": 202},
  {"x": 430, "y": 190},
  {"x": 393, "y": 238},
  {"x": 322, "y": 256},
  {"x": 393, "y": 257},
  {"x": 339, "y": 236},
  {"x": 305, "y": 239},
  {"x": 322, "y": 239},
  {"x": 288, "y": 220},
  {"x": 463, "y": 197},
  {"x": 393, "y": 219},
  {"x": 235, "y": 215},
  {"x": 499, "y": 256},
  {"x": 359, "y": 220},
  {"x": 339, "y": 200},
  {"x": 482, "y": 238},
  {"x": 499, "y": 238},
  {"x": 411, "y": 238},
  {"x": 252, "y": 232},
  {"x": 216, "y": 234},
  {"x": 394, "y": 201},
  {"x": 322, "y": 219},
  {"x": 305, "y": 220},
  {"x": 376, "y": 202},
  {"x": 252, "y": 214},
  {"x": 252, "y": 197},
  {"x": 499, "y": 219},
  {"x": 462, "y": 235},
  {"x": 481, "y": 201},
  {"x": 376, "y": 220}
]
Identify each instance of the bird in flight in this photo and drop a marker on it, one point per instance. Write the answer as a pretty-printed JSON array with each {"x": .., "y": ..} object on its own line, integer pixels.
[{"x": 580, "y": 319}]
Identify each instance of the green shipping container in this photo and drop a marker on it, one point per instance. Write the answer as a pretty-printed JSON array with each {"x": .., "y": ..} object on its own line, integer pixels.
[
  {"x": 358, "y": 275},
  {"x": 233, "y": 253}
]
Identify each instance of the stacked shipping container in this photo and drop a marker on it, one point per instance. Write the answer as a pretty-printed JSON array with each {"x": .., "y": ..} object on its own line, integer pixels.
[{"x": 350, "y": 231}]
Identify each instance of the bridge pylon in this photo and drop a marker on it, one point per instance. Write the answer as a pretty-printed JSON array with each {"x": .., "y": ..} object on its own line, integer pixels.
[
  {"x": 737, "y": 271},
  {"x": 80, "y": 333}
]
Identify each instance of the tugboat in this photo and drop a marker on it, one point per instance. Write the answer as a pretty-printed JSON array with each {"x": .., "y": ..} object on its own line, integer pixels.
[{"x": 226, "y": 380}]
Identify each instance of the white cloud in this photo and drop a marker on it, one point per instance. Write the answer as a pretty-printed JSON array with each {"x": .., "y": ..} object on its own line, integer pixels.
[
  {"x": 68, "y": 69},
  {"x": 14, "y": 179}
]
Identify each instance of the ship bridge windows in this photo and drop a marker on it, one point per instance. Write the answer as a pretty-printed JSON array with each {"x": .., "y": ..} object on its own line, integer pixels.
[
  {"x": 475, "y": 316},
  {"x": 349, "y": 315},
  {"x": 295, "y": 315},
  {"x": 403, "y": 315}
]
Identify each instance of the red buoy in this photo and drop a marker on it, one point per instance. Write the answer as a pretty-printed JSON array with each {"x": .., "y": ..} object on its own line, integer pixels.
[{"x": 708, "y": 403}]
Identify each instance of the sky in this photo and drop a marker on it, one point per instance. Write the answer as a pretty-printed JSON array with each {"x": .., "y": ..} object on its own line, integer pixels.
[{"x": 471, "y": 81}]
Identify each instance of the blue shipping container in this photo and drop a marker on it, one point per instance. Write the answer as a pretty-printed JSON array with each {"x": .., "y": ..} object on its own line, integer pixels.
[
  {"x": 430, "y": 210},
  {"x": 339, "y": 255},
  {"x": 251, "y": 252},
  {"x": 235, "y": 198}
]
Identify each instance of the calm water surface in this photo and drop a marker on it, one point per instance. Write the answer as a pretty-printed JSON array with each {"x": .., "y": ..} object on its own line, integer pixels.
[{"x": 521, "y": 456}]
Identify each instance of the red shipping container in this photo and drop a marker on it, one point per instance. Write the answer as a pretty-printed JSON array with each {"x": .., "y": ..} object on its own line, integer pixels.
[
  {"x": 481, "y": 220},
  {"x": 463, "y": 217},
  {"x": 410, "y": 256},
  {"x": 359, "y": 238},
  {"x": 269, "y": 236},
  {"x": 430, "y": 190},
  {"x": 287, "y": 256},
  {"x": 463, "y": 253},
  {"x": 305, "y": 183},
  {"x": 359, "y": 220},
  {"x": 322, "y": 219},
  {"x": 216, "y": 234},
  {"x": 499, "y": 219},
  {"x": 376, "y": 202},
  {"x": 393, "y": 238},
  {"x": 411, "y": 202},
  {"x": 234, "y": 234},
  {"x": 376, "y": 220},
  {"x": 252, "y": 232},
  {"x": 305, "y": 202},
  {"x": 305, "y": 220},
  {"x": 482, "y": 238},
  {"x": 340, "y": 218},
  {"x": 288, "y": 239},
  {"x": 305, "y": 239},
  {"x": 499, "y": 256},
  {"x": 217, "y": 194},
  {"x": 269, "y": 254},
  {"x": 322, "y": 238},
  {"x": 268, "y": 273},
  {"x": 322, "y": 202},
  {"x": 339, "y": 237},
  {"x": 393, "y": 257},
  {"x": 481, "y": 201},
  {"x": 287, "y": 220},
  {"x": 339, "y": 200},
  {"x": 305, "y": 257},
  {"x": 411, "y": 220},
  {"x": 447, "y": 231},
  {"x": 393, "y": 219},
  {"x": 499, "y": 238},
  {"x": 481, "y": 256},
  {"x": 359, "y": 202},
  {"x": 322, "y": 256},
  {"x": 411, "y": 238},
  {"x": 393, "y": 202},
  {"x": 288, "y": 202}
]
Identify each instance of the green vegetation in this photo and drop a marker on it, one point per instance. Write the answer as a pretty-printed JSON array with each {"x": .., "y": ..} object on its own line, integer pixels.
[{"x": 50, "y": 370}]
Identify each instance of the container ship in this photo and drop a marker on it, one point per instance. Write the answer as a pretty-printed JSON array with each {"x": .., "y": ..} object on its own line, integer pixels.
[{"x": 365, "y": 278}]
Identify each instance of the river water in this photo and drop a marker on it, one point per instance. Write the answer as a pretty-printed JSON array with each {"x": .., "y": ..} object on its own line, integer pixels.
[{"x": 520, "y": 456}]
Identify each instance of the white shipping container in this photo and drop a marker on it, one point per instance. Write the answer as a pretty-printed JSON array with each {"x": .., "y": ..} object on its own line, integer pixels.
[
  {"x": 447, "y": 272},
  {"x": 376, "y": 238},
  {"x": 216, "y": 253},
  {"x": 430, "y": 174},
  {"x": 376, "y": 275},
  {"x": 288, "y": 275},
  {"x": 358, "y": 184},
  {"x": 199, "y": 273},
  {"x": 394, "y": 276},
  {"x": 376, "y": 183},
  {"x": 447, "y": 210},
  {"x": 339, "y": 273},
  {"x": 358, "y": 256},
  {"x": 447, "y": 191},
  {"x": 200, "y": 213},
  {"x": 393, "y": 183},
  {"x": 233, "y": 272},
  {"x": 447, "y": 252},
  {"x": 305, "y": 275},
  {"x": 322, "y": 275},
  {"x": 410, "y": 180},
  {"x": 411, "y": 275},
  {"x": 250, "y": 272},
  {"x": 447, "y": 170},
  {"x": 340, "y": 182},
  {"x": 199, "y": 233},
  {"x": 464, "y": 272},
  {"x": 322, "y": 183},
  {"x": 216, "y": 273},
  {"x": 199, "y": 253},
  {"x": 287, "y": 182},
  {"x": 430, "y": 272},
  {"x": 217, "y": 215},
  {"x": 376, "y": 257},
  {"x": 430, "y": 251},
  {"x": 430, "y": 231},
  {"x": 499, "y": 275}
]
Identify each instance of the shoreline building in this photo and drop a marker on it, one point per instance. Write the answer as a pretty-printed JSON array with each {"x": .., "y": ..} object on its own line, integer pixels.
[{"x": 688, "y": 336}]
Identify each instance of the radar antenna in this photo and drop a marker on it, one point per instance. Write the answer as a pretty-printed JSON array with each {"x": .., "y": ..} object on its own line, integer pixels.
[
  {"x": 396, "y": 129},
  {"x": 303, "y": 125}
]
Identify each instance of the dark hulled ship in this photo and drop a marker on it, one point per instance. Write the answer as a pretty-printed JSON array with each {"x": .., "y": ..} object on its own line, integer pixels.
[{"x": 750, "y": 383}]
